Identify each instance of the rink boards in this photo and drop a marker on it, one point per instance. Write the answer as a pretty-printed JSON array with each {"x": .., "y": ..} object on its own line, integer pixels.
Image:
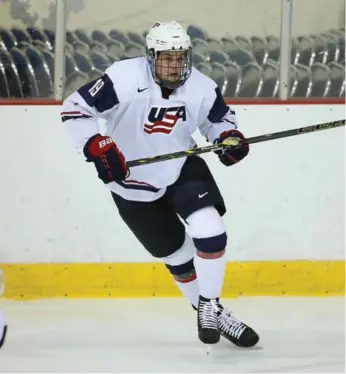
[
  {"x": 61, "y": 235},
  {"x": 278, "y": 278}
]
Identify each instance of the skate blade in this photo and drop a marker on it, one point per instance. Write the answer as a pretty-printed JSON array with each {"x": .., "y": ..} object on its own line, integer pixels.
[{"x": 208, "y": 348}]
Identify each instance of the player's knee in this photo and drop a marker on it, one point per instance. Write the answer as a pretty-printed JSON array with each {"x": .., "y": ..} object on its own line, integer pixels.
[
  {"x": 208, "y": 233},
  {"x": 180, "y": 263},
  {"x": 211, "y": 248}
]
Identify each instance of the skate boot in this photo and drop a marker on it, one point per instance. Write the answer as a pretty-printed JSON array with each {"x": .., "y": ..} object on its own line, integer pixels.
[
  {"x": 207, "y": 319},
  {"x": 235, "y": 331}
]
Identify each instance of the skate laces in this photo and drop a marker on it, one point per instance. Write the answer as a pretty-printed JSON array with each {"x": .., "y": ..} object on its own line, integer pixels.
[
  {"x": 208, "y": 314},
  {"x": 230, "y": 325}
]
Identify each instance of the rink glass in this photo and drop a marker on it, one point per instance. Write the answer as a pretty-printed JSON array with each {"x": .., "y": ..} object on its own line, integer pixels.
[
  {"x": 27, "y": 49},
  {"x": 238, "y": 44}
]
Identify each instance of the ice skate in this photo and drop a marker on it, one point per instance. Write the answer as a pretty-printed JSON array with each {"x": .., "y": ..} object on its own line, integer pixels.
[
  {"x": 235, "y": 331},
  {"x": 207, "y": 317}
]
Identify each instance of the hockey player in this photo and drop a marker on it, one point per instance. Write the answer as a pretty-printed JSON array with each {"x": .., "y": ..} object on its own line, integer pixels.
[
  {"x": 3, "y": 329},
  {"x": 152, "y": 105}
]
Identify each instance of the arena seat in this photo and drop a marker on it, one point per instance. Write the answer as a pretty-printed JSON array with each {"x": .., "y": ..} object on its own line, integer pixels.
[{"x": 241, "y": 66}]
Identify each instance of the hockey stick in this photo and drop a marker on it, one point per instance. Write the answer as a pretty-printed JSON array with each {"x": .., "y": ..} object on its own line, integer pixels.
[{"x": 255, "y": 139}]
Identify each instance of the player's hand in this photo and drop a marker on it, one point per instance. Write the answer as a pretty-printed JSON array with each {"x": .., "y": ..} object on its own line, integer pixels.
[
  {"x": 231, "y": 156},
  {"x": 109, "y": 161}
]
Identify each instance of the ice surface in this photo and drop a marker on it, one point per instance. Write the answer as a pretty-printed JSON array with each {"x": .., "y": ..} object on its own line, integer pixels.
[{"x": 160, "y": 335}]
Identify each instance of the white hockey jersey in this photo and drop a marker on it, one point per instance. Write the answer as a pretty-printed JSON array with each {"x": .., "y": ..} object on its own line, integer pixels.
[{"x": 143, "y": 124}]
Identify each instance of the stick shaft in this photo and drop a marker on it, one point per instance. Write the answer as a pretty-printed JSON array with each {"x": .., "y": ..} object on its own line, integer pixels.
[{"x": 252, "y": 140}]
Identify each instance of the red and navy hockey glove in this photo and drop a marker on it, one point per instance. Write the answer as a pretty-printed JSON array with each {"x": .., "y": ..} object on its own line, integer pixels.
[
  {"x": 109, "y": 161},
  {"x": 231, "y": 155}
]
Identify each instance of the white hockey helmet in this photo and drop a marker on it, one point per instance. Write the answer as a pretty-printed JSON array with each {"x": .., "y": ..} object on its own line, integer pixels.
[{"x": 171, "y": 37}]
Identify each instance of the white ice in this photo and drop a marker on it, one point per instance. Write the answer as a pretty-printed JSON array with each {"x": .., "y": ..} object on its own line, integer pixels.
[{"x": 159, "y": 335}]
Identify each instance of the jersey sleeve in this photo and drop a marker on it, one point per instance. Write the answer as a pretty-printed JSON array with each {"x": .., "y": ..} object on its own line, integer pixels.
[
  {"x": 219, "y": 116},
  {"x": 82, "y": 109}
]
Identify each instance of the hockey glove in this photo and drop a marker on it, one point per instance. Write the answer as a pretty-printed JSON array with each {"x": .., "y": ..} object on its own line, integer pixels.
[
  {"x": 109, "y": 161},
  {"x": 231, "y": 155}
]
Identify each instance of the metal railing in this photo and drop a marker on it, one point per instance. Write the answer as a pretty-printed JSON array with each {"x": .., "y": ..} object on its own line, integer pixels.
[{"x": 285, "y": 50}]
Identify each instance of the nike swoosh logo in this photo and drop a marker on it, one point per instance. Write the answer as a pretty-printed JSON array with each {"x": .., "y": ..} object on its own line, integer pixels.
[
  {"x": 202, "y": 195},
  {"x": 141, "y": 90}
]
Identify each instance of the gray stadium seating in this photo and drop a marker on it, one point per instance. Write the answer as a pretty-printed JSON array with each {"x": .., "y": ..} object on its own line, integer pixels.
[{"x": 241, "y": 66}]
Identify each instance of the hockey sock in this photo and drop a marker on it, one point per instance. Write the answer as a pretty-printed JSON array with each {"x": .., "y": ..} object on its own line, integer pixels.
[
  {"x": 210, "y": 273},
  {"x": 210, "y": 239},
  {"x": 181, "y": 266},
  {"x": 185, "y": 278}
]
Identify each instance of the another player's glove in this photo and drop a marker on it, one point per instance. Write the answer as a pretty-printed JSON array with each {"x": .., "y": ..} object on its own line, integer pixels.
[
  {"x": 109, "y": 161},
  {"x": 231, "y": 155}
]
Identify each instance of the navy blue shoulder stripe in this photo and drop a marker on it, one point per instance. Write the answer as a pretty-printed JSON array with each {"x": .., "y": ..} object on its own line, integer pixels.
[
  {"x": 219, "y": 108},
  {"x": 100, "y": 94}
]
